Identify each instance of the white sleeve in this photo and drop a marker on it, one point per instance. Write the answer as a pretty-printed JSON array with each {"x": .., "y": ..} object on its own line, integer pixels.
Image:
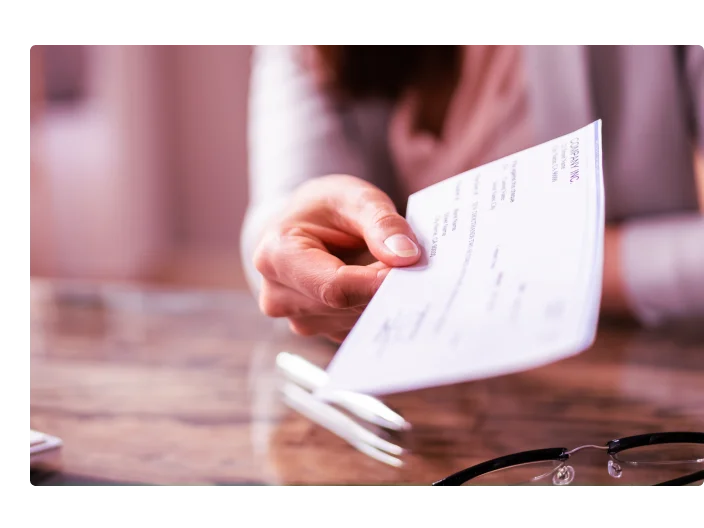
[
  {"x": 295, "y": 132},
  {"x": 663, "y": 267}
]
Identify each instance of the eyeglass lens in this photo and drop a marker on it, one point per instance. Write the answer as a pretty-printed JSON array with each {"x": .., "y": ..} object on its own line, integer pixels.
[
  {"x": 657, "y": 463},
  {"x": 644, "y": 465},
  {"x": 531, "y": 473},
  {"x": 663, "y": 454}
]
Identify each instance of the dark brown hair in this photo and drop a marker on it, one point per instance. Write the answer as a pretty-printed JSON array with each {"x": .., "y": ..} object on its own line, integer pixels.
[{"x": 359, "y": 72}]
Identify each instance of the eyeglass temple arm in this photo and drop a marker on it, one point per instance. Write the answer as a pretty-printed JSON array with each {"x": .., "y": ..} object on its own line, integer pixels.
[
  {"x": 630, "y": 442},
  {"x": 683, "y": 481}
]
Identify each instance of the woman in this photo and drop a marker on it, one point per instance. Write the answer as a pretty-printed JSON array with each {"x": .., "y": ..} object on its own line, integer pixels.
[{"x": 340, "y": 136}]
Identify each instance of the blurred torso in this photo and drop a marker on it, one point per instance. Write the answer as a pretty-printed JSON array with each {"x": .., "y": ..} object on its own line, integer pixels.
[{"x": 528, "y": 95}]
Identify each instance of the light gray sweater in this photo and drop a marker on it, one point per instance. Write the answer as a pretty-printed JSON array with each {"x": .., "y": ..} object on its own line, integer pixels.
[{"x": 650, "y": 100}]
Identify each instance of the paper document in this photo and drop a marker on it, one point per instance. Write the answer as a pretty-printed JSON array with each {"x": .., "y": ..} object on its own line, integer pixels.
[{"x": 509, "y": 278}]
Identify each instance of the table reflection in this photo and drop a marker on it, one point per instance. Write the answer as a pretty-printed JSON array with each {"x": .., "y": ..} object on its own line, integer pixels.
[{"x": 167, "y": 387}]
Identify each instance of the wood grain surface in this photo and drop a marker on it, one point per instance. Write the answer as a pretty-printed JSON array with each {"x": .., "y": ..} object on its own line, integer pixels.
[{"x": 179, "y": 387}]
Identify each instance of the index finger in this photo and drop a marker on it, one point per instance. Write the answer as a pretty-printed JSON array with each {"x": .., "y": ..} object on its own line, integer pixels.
[{"x": 306, "y": 266}]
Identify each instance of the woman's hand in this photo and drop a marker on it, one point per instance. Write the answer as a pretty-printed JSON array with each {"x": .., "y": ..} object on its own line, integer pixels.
[{"x": 311, "y": 256}]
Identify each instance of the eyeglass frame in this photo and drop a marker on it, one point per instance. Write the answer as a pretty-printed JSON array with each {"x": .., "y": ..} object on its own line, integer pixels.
[{"x": 562, "y": 454}]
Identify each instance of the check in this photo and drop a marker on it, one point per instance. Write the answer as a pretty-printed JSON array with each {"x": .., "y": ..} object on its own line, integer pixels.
[{"x": 509, "y": 277}]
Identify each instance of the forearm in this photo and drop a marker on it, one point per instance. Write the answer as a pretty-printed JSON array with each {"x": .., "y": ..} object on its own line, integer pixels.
[{"x": 654, "y": 269}]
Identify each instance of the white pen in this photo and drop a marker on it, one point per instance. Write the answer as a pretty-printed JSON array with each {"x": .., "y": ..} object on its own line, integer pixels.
[
  {"x": 342, "y": 425},
  {"x": 312, "y": 378}
]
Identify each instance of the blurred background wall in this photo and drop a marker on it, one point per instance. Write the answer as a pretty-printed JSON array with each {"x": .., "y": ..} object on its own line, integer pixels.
[{"x": 139, "y": 165}]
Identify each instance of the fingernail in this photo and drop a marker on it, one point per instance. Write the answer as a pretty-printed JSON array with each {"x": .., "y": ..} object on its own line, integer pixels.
[{"x": 401, "y": 245}]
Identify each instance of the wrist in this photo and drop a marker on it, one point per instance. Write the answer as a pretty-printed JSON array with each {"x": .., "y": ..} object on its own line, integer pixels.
[{"x": 613, "y": 299}]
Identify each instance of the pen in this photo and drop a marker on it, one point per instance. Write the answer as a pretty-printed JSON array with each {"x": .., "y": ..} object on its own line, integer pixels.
[
  {"x": 342, "y": 425},
  {"x": 312, "y": 378}
]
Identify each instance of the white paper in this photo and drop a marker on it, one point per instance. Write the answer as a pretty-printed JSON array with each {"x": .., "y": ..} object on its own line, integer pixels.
[{"x": 509, "y": 278}]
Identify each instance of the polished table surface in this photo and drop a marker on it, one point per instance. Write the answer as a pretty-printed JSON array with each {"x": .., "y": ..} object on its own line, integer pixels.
[{"x": 161, "y": 386}]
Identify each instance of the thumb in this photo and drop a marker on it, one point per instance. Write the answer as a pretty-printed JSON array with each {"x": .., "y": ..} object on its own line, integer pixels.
[{"x": 386, "y": 233}]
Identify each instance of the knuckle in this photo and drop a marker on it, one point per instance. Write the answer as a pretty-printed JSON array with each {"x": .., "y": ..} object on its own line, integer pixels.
[
  {"x": 384, "y": 218},
  {"x": 271, "y": 307},
  {"x": 333, "y": 296},
  {"x": 292, "y": 231},
  {"x": 378, "y": 207},
  {"x": 302, "y": 329},
  {"x": 367, "y": 196},
  {"x": 263, "y": 260}
]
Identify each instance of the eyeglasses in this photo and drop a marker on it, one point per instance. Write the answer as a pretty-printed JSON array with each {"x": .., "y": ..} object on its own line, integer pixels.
[{"x": 677, "y": 453}]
